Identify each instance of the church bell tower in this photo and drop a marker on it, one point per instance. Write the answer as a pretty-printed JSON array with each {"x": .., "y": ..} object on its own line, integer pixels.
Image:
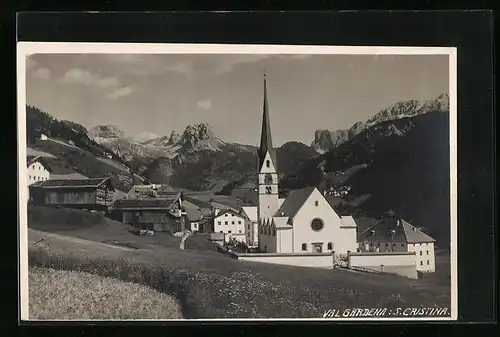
[{"x": 267, "y": 168}]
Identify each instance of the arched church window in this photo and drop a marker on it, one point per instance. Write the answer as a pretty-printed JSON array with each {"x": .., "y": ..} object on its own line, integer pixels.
[
  {"x": 268, "y": 189},
  {"x": 329, "y": 246},
  {"x": 268, "y": 163},
  {"x": 268, "y": 178},
  {"x": 304, "y": 246}
]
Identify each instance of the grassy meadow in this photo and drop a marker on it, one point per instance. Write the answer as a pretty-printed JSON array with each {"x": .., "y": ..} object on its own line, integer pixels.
[
  {"x": 208, "y": 284},
  {"x": 59, "y": 294}
]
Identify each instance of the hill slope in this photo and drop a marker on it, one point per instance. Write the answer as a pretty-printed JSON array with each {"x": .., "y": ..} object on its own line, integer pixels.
[
  {"x": 74, "y": 151},
  {"x": 406, "y": 169}
]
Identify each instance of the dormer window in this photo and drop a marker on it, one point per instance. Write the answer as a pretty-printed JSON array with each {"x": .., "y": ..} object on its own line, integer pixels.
[{"x": 268, "y": 163}]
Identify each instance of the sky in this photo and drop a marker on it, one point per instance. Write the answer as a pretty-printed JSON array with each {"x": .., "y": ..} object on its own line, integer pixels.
[{"x": 159, "y": 93}]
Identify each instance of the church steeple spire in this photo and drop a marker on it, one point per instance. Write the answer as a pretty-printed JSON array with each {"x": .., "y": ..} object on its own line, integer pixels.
[{"x": 266, "y": 142}]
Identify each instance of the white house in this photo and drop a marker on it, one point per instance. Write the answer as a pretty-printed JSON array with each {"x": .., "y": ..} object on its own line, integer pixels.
[
  {"x": 231, "y": 223},
  {"x": 304, "y": 222},
  {"x": 38, "y": 170},
  {"x": 252, "y": 226},
  {"x": 393, "y": 234}
]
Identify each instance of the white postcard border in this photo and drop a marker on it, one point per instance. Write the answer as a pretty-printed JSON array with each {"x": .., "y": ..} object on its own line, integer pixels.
[{"x": 25, "y": 49}]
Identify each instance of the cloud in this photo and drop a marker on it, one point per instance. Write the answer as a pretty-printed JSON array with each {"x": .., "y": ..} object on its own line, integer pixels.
[
  {"x": 205, "y": 104},
  {"x": 80, "y": 76},
  {"x": 42, "y": 73},
  {"x": 120, "y": 92}
]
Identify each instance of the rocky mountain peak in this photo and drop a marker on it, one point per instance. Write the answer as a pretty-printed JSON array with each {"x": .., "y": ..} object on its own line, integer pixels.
[
  {"x": 106, "y": 131},
  {"x": 174, "y": 137},
  {"x": 199, "y": 137},
  {"x": 325, "y": 140}
]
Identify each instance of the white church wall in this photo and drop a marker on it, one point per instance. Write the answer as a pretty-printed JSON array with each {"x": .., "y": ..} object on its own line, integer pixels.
[
  {"x": 284, "y": 240},
  {"x": 303, "y": 233},
  {"x": 324, "y": 260},
  {"x": 347, "y": 241},
  {"x": 401, "y": 263}
]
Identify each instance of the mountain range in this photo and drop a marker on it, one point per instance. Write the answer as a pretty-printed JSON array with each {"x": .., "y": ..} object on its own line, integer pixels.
[
  {"x": 398, "y": 159},
  {"x": 325, "y": 140}
]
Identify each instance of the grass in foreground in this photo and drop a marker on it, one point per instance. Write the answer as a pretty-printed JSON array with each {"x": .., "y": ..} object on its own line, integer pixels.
[
  {"x": 58, "y": 294},
  {"x": 211, "y": 285}
]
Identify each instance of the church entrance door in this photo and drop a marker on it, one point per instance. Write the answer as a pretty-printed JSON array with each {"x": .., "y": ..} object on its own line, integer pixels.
[{"x": 317, "y": 247}]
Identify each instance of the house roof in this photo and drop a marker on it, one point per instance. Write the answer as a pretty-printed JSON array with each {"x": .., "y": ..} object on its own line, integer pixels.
[
  {"x": 364, "y": 223},
  {"x": 281, "y": 222},
  {"x": 229, "y": 211},
  {"x": 393, "y": 229},
  {"x": 151, "y": 191},
  {"x": 251, "y": 213},
  {"x": 333, "y": 200},
  {"x": 294, "y": 201},
  {"x": 74, "y": 183},
  {"x": 143, "y": 204},
  {"x": 413, "y": 234},
  {"x": 347, "y": 222},
  {"x": 216, "y": 204},
  {"x": 38, "y": 159},
  {"x": 193, "y": 212}
]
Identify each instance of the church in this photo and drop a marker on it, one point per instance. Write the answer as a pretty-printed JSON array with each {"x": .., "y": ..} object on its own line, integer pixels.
[{"x": 304, "y": 222}]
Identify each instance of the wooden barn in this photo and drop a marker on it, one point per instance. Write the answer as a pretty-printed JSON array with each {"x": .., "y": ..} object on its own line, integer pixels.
[
  {"x": 93, "y": 194},
  {"x": 163, "y": 214}
]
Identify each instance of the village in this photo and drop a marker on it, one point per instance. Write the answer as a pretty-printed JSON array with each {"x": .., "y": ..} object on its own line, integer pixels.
[{"x": 303, "y": 229}]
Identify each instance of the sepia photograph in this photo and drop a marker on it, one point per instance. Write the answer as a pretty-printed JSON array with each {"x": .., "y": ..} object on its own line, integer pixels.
[{"x": 236, "y": 182}]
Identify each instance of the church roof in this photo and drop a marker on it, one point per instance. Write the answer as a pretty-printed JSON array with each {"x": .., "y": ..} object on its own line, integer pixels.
[
  {"x": 251, "y": 213},
  {"x": 294, "y": 201},
  {"x": 394, "y": 230},
  {"x": 266, "y": 142}
]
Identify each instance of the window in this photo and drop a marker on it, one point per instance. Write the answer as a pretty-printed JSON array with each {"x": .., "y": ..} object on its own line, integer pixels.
[
  {"x": 225, "y": 214},
  {"x": 239, "y": 222},
  {"x": 228, "y": 232},
  {"x": 387, "y": 245},
  {"x": 268, "y": 163},
  {"x": 402, "y": 245},
  {"x": 421, "y": 263},
  {"x": 248, "y": 226},
  {"x": 316, "y": 203},
  {"x": 268, "y": 178},
  {"x": 239, "y": 231},
  {"x": 304, "y": 246},
  {"x": 317, "y": 225},
  {"x": 420, "y": 253},
  {"x": 394, "y": 245},
  {"x": 225, "y": 222},
  {"x": 221, "y": 231},
  {"x": 329, "y": 246},
  {"x": 219, "y": 223},
  {"x": 427, "y": 262},
  {"x": 427, "y": 252},
  {"x": 232, "y": 222}
]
